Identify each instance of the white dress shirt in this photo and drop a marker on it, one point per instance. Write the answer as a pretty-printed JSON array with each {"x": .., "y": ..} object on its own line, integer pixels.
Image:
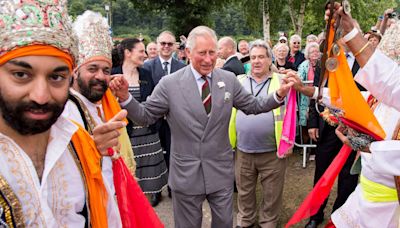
[{"x": 169, "y": 63}]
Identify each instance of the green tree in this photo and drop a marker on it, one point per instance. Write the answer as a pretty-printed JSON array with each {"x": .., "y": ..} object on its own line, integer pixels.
[{"x": 183, "y": 15}]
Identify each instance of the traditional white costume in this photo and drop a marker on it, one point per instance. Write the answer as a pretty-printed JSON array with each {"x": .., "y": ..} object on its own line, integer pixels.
[
  {"x": 61, "y": 198},
  {"x": 375, "y": 203}
]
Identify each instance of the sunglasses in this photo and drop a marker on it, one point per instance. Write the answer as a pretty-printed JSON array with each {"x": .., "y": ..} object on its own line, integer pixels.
[{"x": 169, "y": 44}]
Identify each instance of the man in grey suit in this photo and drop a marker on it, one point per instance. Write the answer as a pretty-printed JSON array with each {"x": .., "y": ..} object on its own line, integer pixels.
[
  {"x": 197, "y": 102},
  {"x": 159, "y": 67}
]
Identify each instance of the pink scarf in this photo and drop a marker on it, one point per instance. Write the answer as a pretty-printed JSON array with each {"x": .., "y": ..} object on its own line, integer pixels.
[
  {"x": 289, "y": 126},
  {"x": 310, "y": 74}
]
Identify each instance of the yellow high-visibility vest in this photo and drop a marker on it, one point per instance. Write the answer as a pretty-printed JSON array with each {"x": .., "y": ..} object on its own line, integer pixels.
[{"x": 278, "y": 112}]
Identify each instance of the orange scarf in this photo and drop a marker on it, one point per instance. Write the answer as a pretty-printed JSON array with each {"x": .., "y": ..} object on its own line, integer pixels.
[
  {"x": 110, "y": 106},
  {"x": 346, "y": 96},
  {"x": 90, "y": 160},
  {"x": 38, "y": 50}
]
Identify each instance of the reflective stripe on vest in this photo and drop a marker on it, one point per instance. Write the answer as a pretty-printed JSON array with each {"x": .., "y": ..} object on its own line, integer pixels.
[{"x": 278, "y": 112}]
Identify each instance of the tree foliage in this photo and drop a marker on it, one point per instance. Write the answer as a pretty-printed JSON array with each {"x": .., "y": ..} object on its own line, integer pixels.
[
  {"x": 182, "y": 15},
  {"x": 238, "y": 18}
]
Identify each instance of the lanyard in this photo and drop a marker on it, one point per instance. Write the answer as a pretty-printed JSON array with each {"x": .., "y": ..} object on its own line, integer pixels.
[{"x": 251, "y": 86}]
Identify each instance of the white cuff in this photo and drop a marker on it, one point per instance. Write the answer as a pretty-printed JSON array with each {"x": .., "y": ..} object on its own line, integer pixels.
[
  {"x": 315, "y": 95},
  {"x": 125, "y": 103},
  {"x": 349, "y": 36}
]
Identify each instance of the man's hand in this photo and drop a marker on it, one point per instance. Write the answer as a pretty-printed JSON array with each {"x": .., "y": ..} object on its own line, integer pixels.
[
  {"x": 346, "y": 22},
  {"x": 106, "y": 135},
  {"x": 387, "y": 13},
  {"x": 341, "y": 132},
  {"x": 293, "y": 77},
  {"x": 284, "y": 89},
  {"x": 298, "y": 85},
  {"x": 119, "y": 86},
  {"x": 313, "y": 133}
]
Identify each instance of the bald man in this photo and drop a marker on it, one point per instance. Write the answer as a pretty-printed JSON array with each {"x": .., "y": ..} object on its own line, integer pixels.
[{"x": 227, "y": 51}]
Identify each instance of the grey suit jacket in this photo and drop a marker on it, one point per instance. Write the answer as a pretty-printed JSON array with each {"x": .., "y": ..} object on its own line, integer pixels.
[
  {"x": 156, "y": 68},
  {"x": 201, "y": 156}
]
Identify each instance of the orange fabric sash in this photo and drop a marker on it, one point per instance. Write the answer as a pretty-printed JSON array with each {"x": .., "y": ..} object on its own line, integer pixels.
[
  {"x": 346, "y": 96},
  {"x": 38, "y": 50},
  {"x": 110, "y": 105},
  {"x": 90, "y": 159}
]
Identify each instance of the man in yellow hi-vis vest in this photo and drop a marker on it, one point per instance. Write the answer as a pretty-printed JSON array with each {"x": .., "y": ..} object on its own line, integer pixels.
[{"x": 256, "y": 139}]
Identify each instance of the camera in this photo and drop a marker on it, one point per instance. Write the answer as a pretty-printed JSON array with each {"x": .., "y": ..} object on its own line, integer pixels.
[{"x": 392, "y": 15}]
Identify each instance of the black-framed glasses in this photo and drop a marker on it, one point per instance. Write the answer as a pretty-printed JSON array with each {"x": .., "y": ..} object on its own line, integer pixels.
[{"x": 169, "y": 44}]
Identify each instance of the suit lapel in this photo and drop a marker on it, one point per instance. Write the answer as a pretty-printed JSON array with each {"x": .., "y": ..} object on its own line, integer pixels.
[
  {"x": 158, "y": 71},
  {"x": 174, "y": 65},
  {"x": 192, "y": 96}
]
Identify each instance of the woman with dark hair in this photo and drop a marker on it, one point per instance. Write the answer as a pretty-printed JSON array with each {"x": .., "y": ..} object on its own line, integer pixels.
[{"x": 151, "y": 170}]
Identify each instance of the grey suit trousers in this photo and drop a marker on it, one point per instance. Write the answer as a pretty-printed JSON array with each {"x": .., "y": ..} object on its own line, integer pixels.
[{"x": 188, "y": 209}]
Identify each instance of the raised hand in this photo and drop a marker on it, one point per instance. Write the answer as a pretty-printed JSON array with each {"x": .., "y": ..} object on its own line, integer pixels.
[
  {"x": 284, "y": 89},
  {"x": 346, "y": 21},
  {"x": 106, "y": 135},
  {"x": 292, "y": 76},
  {"x": 119, "y": 86}
]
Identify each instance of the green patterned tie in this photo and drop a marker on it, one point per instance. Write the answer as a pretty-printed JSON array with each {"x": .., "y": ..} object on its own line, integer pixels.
[{"x": 206, "y": 95}]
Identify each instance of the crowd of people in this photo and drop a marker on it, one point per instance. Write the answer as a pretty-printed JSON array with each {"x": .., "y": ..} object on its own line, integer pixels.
[{"x": 202, "y": 118}]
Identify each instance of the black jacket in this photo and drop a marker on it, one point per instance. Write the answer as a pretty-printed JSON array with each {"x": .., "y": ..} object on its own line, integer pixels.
[
  {"x": 298, "y": 59},
  {"x": 156, "y": 69},
  {"x": 234, "y": 65}
]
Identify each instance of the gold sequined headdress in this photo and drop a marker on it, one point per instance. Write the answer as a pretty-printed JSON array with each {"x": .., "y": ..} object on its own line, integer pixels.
[
  {"x": 390, "y": 43},
  {"x": 27, "y": 23},
  {"x": 94, "y": 38}
]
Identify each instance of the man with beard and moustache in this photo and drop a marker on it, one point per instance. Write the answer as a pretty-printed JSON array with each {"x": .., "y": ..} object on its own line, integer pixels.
[
  {"x": 90, "y": 102},
  {"x": 50, "y": 174}
]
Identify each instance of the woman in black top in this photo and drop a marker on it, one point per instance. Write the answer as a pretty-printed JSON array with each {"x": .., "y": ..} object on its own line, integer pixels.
[
  {"x": 281, "y": 50},
  {"x": 151, "y": 169}
]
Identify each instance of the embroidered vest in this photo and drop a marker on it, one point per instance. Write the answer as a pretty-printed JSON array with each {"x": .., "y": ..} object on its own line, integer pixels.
[{"x": 11, "y": 214}]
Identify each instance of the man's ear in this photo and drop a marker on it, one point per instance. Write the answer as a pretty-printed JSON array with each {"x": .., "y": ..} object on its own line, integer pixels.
[
  {"x": 74, "y": 77},
  {"x": 187, "y": 52}
]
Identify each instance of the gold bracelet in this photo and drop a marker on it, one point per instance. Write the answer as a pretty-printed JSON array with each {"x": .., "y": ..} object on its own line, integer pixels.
[{"x": 362, "y": 49}]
